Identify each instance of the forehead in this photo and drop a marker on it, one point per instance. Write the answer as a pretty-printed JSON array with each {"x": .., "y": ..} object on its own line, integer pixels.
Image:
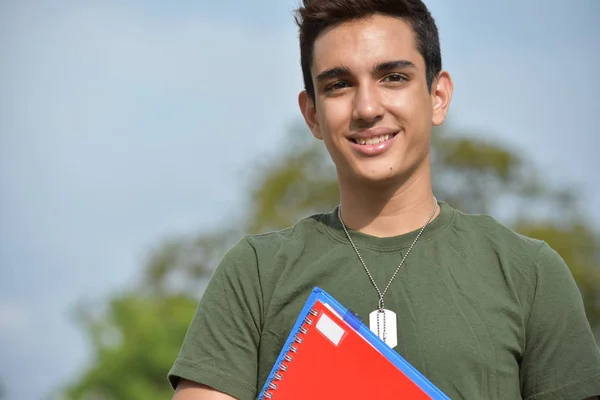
[{"x": 365, "y": 42}]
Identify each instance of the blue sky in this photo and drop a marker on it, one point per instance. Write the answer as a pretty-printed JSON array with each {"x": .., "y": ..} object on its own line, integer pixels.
[{"x": 124, "y": 122}]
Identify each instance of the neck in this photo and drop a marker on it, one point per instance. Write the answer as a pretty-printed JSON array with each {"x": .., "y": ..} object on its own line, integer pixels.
[{"x": 386, "y": 211}]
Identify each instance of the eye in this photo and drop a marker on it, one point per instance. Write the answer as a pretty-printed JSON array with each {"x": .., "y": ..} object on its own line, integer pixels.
[
  {"x": 395, "y": 78},
  {"x": 336, "y": 86}
]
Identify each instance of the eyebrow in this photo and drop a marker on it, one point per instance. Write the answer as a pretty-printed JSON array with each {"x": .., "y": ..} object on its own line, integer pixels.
[
  {"x": 332, "y": 73},
  {"x": 338, "y": 72},
  {"x": 397, "y": 64}
]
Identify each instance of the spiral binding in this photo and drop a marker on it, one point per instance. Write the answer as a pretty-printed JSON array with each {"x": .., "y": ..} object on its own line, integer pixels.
[{"x": 293, "y": 348}]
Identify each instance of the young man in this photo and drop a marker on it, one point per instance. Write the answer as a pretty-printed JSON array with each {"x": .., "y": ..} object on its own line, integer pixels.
[{"x": 482, "y": 312}]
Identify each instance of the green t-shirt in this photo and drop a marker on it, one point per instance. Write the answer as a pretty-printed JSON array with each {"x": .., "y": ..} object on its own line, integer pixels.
[{"x": 482, "y": 312}]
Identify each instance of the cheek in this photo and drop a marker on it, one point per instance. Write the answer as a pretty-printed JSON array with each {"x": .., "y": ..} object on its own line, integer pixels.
[
  {"x": 408, "y": 106},
  {"x": 414, "y": 112},
  {"x": 334, "y": 120}
]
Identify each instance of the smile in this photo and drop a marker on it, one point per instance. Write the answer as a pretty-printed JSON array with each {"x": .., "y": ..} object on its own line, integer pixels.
[{"x": 373, "y": 140}]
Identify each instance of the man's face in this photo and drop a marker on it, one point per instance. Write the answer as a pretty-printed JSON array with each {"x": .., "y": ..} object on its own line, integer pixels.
[{"x": 373, "y": 109}]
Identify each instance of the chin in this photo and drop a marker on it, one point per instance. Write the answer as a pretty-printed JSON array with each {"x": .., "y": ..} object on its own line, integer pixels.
[
  {"x": 383, "y": 176},
  {"x": 377, "y": 173}
]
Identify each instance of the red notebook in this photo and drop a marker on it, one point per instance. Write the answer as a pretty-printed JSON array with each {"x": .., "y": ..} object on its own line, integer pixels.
[{"x": 331, "y": 354}]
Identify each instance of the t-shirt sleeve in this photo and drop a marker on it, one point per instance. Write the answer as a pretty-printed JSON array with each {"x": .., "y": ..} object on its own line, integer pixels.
[
  {"x": 220, "y": 348},
  {"x": 561, "y": 358}
]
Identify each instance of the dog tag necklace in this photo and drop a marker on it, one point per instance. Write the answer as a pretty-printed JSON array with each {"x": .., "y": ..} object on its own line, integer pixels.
[{"x": 381, "y": 319}]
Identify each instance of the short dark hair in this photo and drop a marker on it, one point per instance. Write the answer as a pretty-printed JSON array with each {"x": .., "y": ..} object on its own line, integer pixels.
[{"x": 314, "y": 16}]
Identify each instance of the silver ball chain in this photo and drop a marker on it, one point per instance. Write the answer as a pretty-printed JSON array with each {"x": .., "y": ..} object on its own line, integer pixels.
[{"x": 380, "y": 304}]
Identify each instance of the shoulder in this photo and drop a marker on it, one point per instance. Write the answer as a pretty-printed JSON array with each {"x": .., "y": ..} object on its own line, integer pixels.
[
  {"x": 489, "y": 232},
  {"x": 257, "y": 262},
  {"x": 513, "y": 250},
  {"x": 261, "y": 249},
  {"x": 498, "y": 233},
  {"x": 288, "y": 238},
  {"x": 521, "y": 263}
]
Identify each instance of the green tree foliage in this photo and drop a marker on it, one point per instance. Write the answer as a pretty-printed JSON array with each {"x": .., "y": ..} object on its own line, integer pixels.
[
  {"x": 137, "y": 337},
  {"x": 134, "y": 342}
]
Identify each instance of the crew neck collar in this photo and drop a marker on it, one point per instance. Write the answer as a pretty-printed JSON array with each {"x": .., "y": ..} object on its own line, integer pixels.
[{"x": 335, "y": 229}]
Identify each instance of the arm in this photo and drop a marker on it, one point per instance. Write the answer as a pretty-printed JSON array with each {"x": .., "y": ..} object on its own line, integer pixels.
[
  {"x": 220, "y": 348},
  {"x": 561, "y": 358},
  {"x": 187, "y": 390}
]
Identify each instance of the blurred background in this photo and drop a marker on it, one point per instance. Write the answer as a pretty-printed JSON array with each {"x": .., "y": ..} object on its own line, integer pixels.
[{"x": 140, "y": 139}]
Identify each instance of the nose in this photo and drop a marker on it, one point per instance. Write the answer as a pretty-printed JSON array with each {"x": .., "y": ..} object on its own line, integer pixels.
[{"x": 367, "y": 105}]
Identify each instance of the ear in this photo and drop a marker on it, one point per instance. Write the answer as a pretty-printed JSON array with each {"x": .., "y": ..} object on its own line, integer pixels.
[
  {"x": 441, "y": 95},
  {"x": 309, "y": 111}
]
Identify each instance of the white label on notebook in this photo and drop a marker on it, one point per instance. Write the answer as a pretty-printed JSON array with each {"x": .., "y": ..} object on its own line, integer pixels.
[{"x": 330, "y": 329}]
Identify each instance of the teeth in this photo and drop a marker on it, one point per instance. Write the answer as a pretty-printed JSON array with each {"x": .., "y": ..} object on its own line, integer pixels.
[{"x": 372, "y": 140}]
